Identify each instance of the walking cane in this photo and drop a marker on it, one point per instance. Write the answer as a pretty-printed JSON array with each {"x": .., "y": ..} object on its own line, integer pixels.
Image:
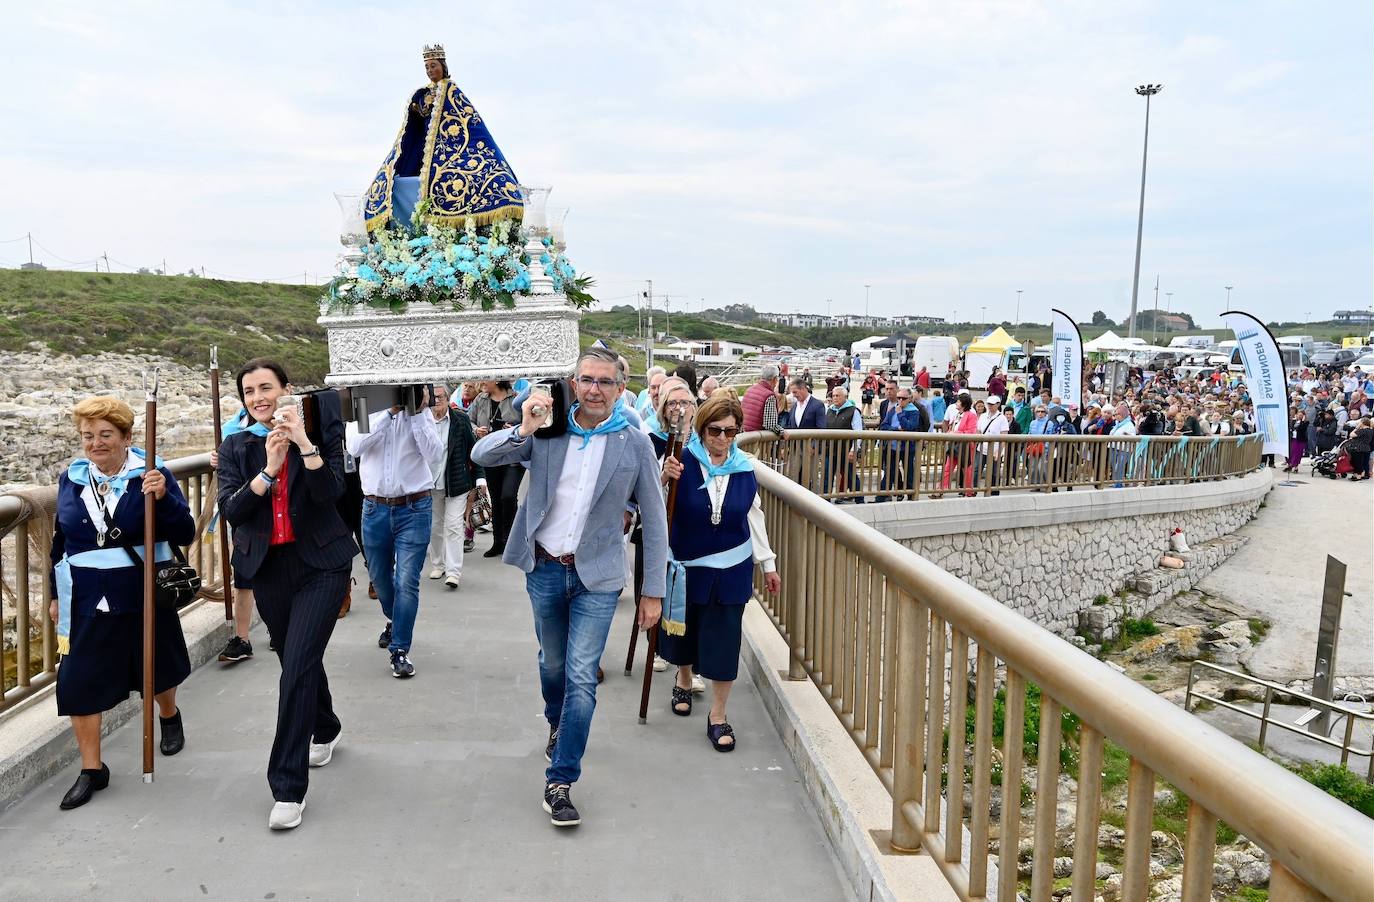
[
  {"x": 149, "y": 565},
  {"x": 674, "y": 450},
  {"x": 225, "y": 576}
]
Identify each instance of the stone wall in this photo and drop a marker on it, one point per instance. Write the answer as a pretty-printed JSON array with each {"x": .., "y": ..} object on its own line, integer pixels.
[{"x": 1049, "y": 556}]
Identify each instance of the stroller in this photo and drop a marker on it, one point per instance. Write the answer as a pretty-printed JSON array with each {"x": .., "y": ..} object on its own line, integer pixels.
[{"x": 1333, "y": 464}]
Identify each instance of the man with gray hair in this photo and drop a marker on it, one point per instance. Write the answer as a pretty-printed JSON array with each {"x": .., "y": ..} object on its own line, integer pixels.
[
  {"x": 760, "y": 399},
  {"x": 647, "y": 402},
  {"x": 567, "y": 538},
  {"x": 455, "y": 476}
]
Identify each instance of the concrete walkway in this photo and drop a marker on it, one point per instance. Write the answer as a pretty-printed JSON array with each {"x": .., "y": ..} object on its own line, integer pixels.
[
  {"x": 1279, "y": 573},
  {"x": 436, "y": 790}
]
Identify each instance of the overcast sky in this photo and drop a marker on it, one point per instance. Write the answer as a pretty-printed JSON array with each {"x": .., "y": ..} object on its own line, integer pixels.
[{"x": 945, "y": 153}]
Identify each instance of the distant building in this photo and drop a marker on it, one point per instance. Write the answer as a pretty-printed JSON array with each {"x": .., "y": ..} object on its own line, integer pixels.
[
  {"x": 1354, "y": 317},
  {"x": 1173, "y": 323},
  {"x": 848, "y": 321}
]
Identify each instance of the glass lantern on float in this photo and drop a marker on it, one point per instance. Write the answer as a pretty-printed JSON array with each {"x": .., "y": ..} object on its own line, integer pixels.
[
  {"x": 352, "y": 230},
  {"x": 536, "y": 223},
  {"x": 558, "y": 217}
]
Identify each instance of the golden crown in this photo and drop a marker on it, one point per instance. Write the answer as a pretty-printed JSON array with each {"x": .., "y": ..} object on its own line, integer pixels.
[{"x": 434, "y": 52}]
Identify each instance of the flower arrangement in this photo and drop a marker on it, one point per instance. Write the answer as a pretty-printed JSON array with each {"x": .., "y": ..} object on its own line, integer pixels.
[{"x": 446, "y": 265}]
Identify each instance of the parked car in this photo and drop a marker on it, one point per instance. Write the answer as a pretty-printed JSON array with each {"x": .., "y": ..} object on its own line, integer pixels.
[{"x": 1365, "y": 363}]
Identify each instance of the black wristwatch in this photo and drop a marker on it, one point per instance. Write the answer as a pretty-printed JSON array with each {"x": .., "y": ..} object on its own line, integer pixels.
[{"x": 313, "y": 452}]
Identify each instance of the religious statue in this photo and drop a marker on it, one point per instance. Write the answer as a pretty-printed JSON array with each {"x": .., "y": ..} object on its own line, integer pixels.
[{"x": 445, "y": 155}]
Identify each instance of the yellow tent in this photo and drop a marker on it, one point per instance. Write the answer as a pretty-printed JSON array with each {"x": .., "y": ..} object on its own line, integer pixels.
[
  {"x": 985, "y": 353},
  {"x": 996, "y": 340}
]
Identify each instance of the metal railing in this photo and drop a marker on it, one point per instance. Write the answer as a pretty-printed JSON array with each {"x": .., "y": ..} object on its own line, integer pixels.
[
  {"x": 903, "y": 651},
  {"x": 1315, "y": 705},
  {"x": 844, "y": 464},
  {"x": 29, "y": 662}
]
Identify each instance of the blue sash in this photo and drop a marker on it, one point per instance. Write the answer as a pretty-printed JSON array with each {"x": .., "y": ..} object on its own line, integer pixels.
[
  {"x": 95, "y": 559},
  {"x": 675, "y": 596}
]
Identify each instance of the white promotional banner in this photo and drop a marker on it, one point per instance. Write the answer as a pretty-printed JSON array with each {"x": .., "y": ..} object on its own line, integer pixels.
[
  {"x": 1264, "y": 377},
  {"x": 1066, "y": 360}
]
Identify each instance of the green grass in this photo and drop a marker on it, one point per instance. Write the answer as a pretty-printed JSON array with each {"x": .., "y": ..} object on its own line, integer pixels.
[
  {"x": 1030, "y": 735},
  {"x": 1259, "y": 628},
  {"x": 1340, "y": 782},
  {"x": 1100, "y": 600},
  {"x": 1249, "y": 894},
  {"x": 178, "y": 317},
  {"x": 1133, "y": 630}
]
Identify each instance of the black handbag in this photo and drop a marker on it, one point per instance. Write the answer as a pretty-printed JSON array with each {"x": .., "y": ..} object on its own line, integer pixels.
[{"x": 175, "y": 583}]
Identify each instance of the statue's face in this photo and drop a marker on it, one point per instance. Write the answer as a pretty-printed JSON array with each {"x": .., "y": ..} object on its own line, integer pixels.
[{"x": 434, "y": 69}]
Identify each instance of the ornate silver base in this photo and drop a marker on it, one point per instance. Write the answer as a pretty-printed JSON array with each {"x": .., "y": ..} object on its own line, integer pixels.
[{"x": 535, "y": 340}]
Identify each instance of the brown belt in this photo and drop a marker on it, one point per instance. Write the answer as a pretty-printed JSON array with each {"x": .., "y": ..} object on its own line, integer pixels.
[
  {"x": 567, "y": 560},
  {"x": 400, "y": 501}
]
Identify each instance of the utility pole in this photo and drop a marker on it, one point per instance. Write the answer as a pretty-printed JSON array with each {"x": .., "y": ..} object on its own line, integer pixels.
[
  {"x": 1228, "y": 296},
  {"x": 30, "y": 236},
  {"x": 1154, "y": 316},
  {"x": 668, "y": 314},
  {"x": 1146, "y": 91},
  {"x": 1169, "y": 306},
  {"x": 985, "y": 315},
  {"x": 1018, "y": 310},
  {"x": 866, "y": 288}
]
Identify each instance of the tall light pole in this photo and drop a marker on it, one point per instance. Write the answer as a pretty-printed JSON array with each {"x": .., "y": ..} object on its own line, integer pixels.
[
  {"x": 866, "y": 287},
  {"x": 1018, "y": 309},
  {"x": 1154, "y": 314},
  {"x": 985, "y": 315},
  {"x": 1146, "y": 91},
  {"x": 1169, "y": 307}
]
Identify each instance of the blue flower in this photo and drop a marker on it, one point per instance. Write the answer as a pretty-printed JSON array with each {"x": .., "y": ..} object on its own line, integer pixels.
[
  {"x": 545, "y": 259},
  {"x": 465, "y": 253},
  {"x": 548, "y": 241},
  {"x": 493, "y": 284},
  {"x": 425, "y": 241},
  {"x": 484, "y": 262},
  {"x": 483, "y": 239},
  {"x": 368, "y": 273},
  {"x": 498, "y": 251}
]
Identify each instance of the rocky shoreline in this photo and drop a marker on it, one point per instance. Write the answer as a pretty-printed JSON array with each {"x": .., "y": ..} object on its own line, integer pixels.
[{"x": 39, "y": 388}]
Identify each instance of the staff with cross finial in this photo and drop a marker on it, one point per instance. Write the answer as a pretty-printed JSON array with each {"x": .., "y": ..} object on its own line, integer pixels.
[
  {"x": 680, "y": 427},
  {"x": 149, "y": 556},
  {"x": 226, "y": 576}
]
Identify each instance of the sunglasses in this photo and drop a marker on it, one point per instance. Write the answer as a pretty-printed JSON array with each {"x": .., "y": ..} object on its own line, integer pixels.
[
  {"x": 603, "y": 384},
  {"x": 718, "y": 431}
]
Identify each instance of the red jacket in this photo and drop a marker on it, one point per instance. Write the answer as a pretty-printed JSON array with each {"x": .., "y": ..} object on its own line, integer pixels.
[{"x": 752, "y": 402}]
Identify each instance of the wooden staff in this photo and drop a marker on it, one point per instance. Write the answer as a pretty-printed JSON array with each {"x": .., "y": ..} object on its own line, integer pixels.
[
  {"x": 674, "y": 450},
  {"x": 223, "y": 531},
  {"x": 149, "y": 565}
]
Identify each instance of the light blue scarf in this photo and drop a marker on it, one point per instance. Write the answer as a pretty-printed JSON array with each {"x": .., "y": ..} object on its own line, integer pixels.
[
  {"x": 81, "y": 472},
  {"x": 614, "y": 423},
  {"x": 735, "y": 462}
]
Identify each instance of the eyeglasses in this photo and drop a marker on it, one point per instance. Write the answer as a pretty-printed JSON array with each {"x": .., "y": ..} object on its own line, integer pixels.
[
  {"x": 904, "y": 397},
  {"x": 680, "y": 402},
  {"x": 718, "y": 431},
  {"x": 603, "y": 384}
]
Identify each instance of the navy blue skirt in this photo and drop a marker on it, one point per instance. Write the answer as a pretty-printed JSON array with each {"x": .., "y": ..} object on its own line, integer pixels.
[
  {"x": 106, "y": 661},
  {"x": 711, "y": 645}
]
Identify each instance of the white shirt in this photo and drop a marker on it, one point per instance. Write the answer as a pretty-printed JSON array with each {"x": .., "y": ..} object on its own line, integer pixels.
[
  {"x": 438, "y": 465},
  {"x": 798, "y": 409},
  {"x": 991, "y": 424},
  {"x": 395, "y": 458},
  {"x": 561, "y": 531},
  {"x": 758, "y": 524}
]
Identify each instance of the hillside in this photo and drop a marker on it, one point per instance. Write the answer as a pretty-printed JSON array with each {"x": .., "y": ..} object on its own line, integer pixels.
[{"x": 178, "y": 317}]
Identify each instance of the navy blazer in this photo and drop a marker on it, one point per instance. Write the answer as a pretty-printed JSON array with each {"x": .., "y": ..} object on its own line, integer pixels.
[
  {"x": 323, "y": 540},
  {"x": 73, "y": 533},
  {"x": 813, "y": 415}
]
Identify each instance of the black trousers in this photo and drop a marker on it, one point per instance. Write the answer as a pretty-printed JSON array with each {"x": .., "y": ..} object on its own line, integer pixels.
[
  {"x": 503, "y": 483},
  {"x": 300, "y": 606}
]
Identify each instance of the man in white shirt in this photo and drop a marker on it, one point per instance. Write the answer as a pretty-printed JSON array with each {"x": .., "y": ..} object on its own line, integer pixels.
[
  {"x": 808, "y": 412},
  {"x": 988, "y": 457},
  {"x": 394, "y": 464}
]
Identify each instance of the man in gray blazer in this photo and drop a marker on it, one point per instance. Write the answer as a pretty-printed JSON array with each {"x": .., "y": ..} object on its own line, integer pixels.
[{"x": 567, "y": 538}]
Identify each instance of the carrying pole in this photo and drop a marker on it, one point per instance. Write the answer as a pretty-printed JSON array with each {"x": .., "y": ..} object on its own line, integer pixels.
[
  {"x": 227, "y": 579},
  {"x": 149, "y": 565},
  {"x": 674, "y": 450}
]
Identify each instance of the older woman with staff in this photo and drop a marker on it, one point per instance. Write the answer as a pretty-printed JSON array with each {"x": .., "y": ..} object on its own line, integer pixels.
[
  {"x": 716, "y": 534},
  {"x": 98, "y": 585}
]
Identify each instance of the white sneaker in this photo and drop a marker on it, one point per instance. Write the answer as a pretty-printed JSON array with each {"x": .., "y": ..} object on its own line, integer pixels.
[
  {"x": 286, "y": 815},
  {"x": 436, "y": 573},
  {"x": 321, "y": 753},
  {"x": 698, "y": 685},
  {"x": 451, "y": 582},
  {"x": 660, "y": 665}
]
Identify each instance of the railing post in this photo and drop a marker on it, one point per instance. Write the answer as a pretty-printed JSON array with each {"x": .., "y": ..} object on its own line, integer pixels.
[
  {"x": 796, "y": 607},
  {"x": 21, "y": 600},
  {"x": 906, "y": 765}
]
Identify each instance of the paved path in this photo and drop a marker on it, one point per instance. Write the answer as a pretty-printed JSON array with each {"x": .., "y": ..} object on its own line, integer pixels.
[
  {"x": 1279, "y": 574},
  {"x": 436, "y": 790}
]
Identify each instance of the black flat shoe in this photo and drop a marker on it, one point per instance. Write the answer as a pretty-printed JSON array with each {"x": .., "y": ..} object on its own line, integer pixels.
[
  {"x": 86, "y": 785},
  {"x": 173, "y": 737},
  {"x": 682, "y": 697},
  {"x": 493, "y": 552}
]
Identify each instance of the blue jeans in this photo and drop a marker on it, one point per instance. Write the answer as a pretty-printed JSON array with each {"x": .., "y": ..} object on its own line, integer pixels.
[
  {"x": 396, "y": 539},
  {"x": 572, "y": 625}
]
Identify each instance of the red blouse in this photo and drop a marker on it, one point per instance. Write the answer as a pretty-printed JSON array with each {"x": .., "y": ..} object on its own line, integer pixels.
[{"x": 281, "y": 516}]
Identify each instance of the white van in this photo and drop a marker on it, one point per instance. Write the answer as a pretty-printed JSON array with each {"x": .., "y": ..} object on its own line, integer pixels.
[
  {"x": 935, "y": 353},
  {"x": 1296, "y": 341}
]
